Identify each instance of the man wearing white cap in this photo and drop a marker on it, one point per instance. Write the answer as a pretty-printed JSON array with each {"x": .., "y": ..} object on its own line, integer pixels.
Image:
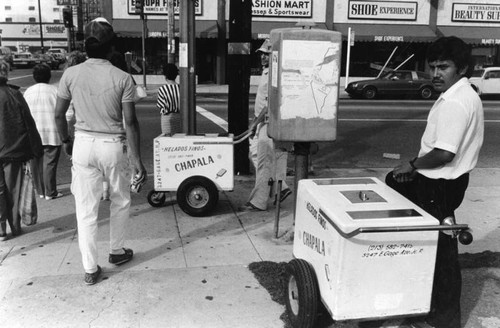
[
  {"x": 269, "y": 162},
  {"x": 106, "y": 126}
]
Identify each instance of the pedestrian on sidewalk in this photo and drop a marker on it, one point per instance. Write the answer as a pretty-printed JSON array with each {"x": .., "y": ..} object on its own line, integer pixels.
[
  {"x": 19, "y": 142},
  {"x": 103, "y": 98},
  {"x": 269, "y": 160},
  {"x": 41, "y": 99},
  {"x": 437, "y": 178},
  {"x": 168, "y": 101},
  {"x": 74, "y": 58}
]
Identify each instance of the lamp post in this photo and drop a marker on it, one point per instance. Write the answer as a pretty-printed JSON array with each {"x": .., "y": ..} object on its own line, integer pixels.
[{"x": 41, "y": 27}]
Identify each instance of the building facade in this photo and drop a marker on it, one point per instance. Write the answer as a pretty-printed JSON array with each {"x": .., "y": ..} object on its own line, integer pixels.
[
  {"x": 378, "y": 28},
  {"x": 25, "y": 24}
]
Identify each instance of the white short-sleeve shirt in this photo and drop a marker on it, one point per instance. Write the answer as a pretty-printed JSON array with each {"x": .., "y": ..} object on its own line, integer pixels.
[{"x": 455, "y": 124}]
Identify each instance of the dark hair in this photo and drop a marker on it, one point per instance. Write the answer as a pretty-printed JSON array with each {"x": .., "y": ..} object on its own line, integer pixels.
[
  {"x": 454, "y": 49},
  {"x": 170, "y": 71},
  {"x": 41, "y": 73},
  {"x": 117, "y": 59},
  {"x": 75, "y": 57},
  {"x": 95, "y": 49}
]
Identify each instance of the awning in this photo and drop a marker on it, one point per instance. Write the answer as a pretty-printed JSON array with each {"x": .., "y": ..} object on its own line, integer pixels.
[
  {"x": 132, "y": 28},
  {"x": 473, "y": 34},
  {"x": 260, "y": 29},
  {"x": 387, "y": 33}
]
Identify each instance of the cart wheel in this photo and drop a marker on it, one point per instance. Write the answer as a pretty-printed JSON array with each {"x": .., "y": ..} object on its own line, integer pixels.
[
  {"x": 197, "y": 196},
  {"x": 302, "y": 294},
  {"x": 156, "y": 198}
]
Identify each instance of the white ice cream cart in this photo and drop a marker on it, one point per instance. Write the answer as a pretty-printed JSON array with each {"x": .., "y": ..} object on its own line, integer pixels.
[
  {"x": 362, "y": 249},
  {"x": 196, "y": 167}
]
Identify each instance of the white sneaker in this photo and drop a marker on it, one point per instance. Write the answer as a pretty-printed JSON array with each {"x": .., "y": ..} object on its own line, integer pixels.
[{"x": 59, "y": 195}]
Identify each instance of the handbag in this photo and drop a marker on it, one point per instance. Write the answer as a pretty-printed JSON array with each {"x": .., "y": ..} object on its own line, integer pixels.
[
  {"x": 140, "y": 93},
  {"x": 27, "y": 202}
]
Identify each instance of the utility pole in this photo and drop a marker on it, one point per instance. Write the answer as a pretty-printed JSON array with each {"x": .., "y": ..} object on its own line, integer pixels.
[
  {"x": 79, "y": 20},
  {"x": 41, "y": 26},
  {"x": 240, "y": 33},
  {"x": 221, "y": 42},
  {"x": 139, "y": 9},
  {"x": 187, "y": 67},
  {"x": 171, "y": 32},
  {"x": 144, "y": 27}
]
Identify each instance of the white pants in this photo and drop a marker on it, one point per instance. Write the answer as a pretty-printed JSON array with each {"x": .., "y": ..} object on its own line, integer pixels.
[
  {"x": 271, "y": 163},
  {"x": 96, "y": 160}
]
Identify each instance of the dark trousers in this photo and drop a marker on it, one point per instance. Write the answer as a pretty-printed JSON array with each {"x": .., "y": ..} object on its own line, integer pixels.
[
  {"x": 11, "y": 174},
  {"x": 44, "y": 171},
  {"x": 440, "y": 198}
]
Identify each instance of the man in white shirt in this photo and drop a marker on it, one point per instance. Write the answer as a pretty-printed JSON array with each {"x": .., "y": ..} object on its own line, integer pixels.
[
  {"x": 269, "y": 161},
  {"x": 437, "y": 178},
  {"x": 41, "y": 99}
]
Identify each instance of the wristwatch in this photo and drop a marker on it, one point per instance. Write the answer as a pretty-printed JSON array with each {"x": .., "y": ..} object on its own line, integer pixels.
[
  {"x": 65, "y": 141},
  {"x": 412, "y": 163}
]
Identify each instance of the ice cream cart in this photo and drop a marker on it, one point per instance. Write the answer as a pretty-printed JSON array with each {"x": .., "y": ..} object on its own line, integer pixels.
[
  {"x": 196, "y": 167},
  {"x": 363, "y": 250}
]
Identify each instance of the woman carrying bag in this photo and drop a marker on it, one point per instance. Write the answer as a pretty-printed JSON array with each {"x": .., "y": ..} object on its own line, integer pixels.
[{"x": 19, "y": 142}]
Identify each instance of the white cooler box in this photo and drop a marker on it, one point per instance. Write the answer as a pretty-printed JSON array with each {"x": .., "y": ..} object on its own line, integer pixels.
[
  {"x": 365, "y": 274},
  {"x": 181, "y": 156}
]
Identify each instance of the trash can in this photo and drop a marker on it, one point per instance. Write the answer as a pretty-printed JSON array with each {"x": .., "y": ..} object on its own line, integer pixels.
[{"x": 358, "y": 235}]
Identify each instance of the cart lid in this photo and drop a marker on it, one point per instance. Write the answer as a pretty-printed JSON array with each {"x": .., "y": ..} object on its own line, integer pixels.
[{"x": 352, "y": 203}]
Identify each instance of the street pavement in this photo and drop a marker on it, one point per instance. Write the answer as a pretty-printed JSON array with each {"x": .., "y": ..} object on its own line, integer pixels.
[{"x": 193, "y": 271}]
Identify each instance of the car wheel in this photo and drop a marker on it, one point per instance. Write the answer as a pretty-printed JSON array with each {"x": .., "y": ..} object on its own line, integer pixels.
[
  {"x": 369, "y": 93},
  {"x": 426, "y": 93}
]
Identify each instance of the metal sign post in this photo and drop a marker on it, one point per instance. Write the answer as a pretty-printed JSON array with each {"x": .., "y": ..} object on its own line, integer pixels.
[{"x": 186, "y": 67}]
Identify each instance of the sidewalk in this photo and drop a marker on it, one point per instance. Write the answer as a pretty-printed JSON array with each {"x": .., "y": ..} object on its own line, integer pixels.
[{"x": 193, "y": 272}]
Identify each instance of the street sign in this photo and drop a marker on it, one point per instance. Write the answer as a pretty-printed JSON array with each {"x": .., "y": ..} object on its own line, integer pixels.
[
  {"x": 161, "y": 8},
  {"x": 67, "y": 2}
]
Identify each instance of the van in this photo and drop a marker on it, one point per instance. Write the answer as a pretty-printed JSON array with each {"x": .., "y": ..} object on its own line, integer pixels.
[
  {"x": 6, "y": 54},
  {"x": 59, "y": 54}
]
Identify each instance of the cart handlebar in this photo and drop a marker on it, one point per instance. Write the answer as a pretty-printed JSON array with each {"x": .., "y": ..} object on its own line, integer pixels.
[{"x": 462, "y": 228}]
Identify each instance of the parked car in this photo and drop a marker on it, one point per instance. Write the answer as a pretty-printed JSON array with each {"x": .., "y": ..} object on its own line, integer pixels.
[
  {"x": 6, "y": 54},
  {"x": 486, "y": 81},
  {"x": 47, "y": 59},
  {"x": 59, "y": 54},
  {"x": 25, "y": 59},
  {"x": 400, "y": 82}
]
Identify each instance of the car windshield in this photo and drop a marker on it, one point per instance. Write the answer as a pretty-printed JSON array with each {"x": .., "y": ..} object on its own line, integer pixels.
[
  {"x": 398, "y": 75},
  {"x": 478, "y": 73}
]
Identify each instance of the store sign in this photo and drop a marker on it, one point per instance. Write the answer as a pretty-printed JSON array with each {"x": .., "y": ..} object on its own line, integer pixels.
[
  {"x": 49, "y": 29},
  {"x": 462, "y": 12},
  {"x": 388, "y": 38},
  {"x": 160, "y": 7},
  {"x": 490, "y": 41},
  {"x": 67, "y": 2},
  {"x": 282, "y": 8},
  {"x": 383, "y": 10}
]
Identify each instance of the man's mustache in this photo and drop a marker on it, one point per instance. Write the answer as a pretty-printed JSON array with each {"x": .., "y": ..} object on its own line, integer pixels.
[{"x": 437, "y": 80}]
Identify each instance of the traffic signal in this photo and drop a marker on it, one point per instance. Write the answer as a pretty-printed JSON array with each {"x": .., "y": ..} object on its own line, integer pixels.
[
  {"x": 139, "y": 6},
  {"x": 68, "y": 17}
]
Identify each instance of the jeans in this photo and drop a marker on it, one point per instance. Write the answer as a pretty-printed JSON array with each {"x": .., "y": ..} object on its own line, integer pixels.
[
  {"x": 44, "y": 170},
  {"x": 98, "y": 159},
  {"x": 11, "y": 174}
]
